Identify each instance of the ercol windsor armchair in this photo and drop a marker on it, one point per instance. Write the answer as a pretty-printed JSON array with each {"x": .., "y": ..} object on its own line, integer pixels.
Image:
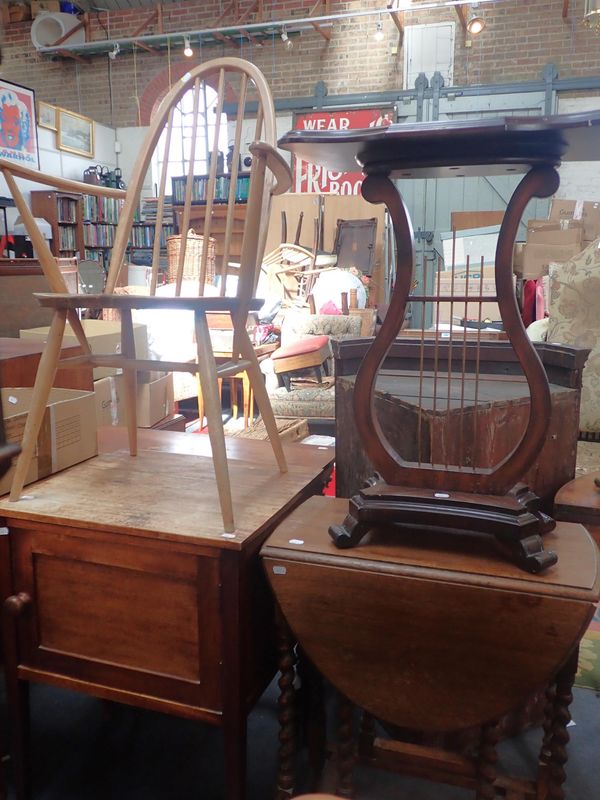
[{"x": 235, "y": 81}]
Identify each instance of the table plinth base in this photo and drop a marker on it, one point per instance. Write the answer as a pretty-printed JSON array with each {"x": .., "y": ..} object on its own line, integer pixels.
[{"x": 514, "y": 520}]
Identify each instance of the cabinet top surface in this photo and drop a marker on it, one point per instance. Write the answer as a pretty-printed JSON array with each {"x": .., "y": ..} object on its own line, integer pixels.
[
  {"x": 455, "y": 148},
  {"x": 168, "y": 491},
  {"x": 303, "y": 537}
]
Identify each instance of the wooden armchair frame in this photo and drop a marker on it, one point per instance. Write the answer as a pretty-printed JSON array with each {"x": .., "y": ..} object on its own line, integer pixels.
[{"x": 269, "y": 175}]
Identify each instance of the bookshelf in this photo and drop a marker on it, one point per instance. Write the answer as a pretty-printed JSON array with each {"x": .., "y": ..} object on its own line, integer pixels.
[
  {"x": 64, "y": 212},
  {"x": 219, "y": 211},
  {"x": 100, "y": 218},
  {"x": 200, "y": 183}
]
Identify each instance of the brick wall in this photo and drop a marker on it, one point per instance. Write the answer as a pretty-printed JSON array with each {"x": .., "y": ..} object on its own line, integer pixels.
[{"x": 521, "y": 37}]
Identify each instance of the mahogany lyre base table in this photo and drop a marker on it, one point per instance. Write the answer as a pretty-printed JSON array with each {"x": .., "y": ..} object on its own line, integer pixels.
[
  {"x": 124, "y": 585},
  {"x": 433, "y": 634},
  {"x": 455, "y": 494}
]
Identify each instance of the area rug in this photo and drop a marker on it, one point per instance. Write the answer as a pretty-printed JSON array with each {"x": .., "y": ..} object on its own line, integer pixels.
[{"x": 588, "y": 673}]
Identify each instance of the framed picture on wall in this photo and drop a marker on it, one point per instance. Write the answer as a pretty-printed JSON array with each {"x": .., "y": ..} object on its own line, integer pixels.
[
  {"x": 18, "y": 130},
  {"x": 74, "y": 133},
  {"x": 46, "y": 115}
]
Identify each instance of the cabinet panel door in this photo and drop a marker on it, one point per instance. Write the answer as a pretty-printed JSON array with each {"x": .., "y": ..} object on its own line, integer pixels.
[{"x": 138, "y": 617}]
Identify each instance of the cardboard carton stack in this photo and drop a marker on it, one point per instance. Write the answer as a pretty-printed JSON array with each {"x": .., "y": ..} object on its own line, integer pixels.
[
  {"x": 571, "y": 227},
  {"x": 67, "y": 435},
  {"x": 155, "y": 389}
]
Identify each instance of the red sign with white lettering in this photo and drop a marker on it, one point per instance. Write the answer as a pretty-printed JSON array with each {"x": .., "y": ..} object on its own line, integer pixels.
[{"x": 314, "y": 178}]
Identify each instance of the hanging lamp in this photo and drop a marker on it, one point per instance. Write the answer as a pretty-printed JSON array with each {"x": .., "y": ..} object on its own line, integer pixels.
[{"x": 591, "y": 14}]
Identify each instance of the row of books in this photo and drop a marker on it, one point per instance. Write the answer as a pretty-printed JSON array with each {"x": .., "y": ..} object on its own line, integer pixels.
[
  {"x": 67, "y": 209},
  {"x": 150, "y": 209},
  {"x": 99, "y": 235},
  {"x": 101, "y": 209},
  {"x": 200, "y": 185},
  {"x": 67, "y": 238},
  {"x": 143, "y": 235}
]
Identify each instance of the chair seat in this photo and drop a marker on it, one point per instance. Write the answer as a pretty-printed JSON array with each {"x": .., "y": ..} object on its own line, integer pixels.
[
  {"x": 309, "y": 345},
  {"x": 303, "y": 354}
]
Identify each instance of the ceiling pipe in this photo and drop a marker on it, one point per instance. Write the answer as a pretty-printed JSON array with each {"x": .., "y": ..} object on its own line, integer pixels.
[{"x": 271, "y": 28}]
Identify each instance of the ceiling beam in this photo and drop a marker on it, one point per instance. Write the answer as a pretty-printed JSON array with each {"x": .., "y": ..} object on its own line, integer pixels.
[{"x": 461, "y": 13}]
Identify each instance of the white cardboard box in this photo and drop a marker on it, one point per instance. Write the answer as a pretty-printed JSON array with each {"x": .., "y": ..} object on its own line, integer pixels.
[
  {"x": 68, "y": 434},
  {"x": 154, "y": 400}
]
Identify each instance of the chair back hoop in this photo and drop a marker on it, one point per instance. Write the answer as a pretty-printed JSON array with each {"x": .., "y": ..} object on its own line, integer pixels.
[{"x": 229, "y": 209}]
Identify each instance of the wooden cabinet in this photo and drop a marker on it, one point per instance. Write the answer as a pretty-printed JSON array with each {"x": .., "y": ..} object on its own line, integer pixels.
[
  {"x": 217, "y": 228},
  {"x": 132, "y": 593},
  {"x": 64, "y": 212},
  {"x": 404, "y": 408}
]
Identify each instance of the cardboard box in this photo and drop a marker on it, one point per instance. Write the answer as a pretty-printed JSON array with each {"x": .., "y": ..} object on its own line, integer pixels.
[
  {"x": 107, "y": 396},
  {"x": 586, "y": 211},
  {"x": 37, "y": 6},
  {"x": 67, "y": 435},
  {"x": 155, "y": 400},
  {"x": 104, "y": 338},
  {"x": 561, "y": 232},
  {"x": 487, "y": 288},
  {"x": 536, "y": 258}
]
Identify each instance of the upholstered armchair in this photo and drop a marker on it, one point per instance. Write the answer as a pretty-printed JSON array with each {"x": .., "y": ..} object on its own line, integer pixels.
[{"x": 574, "y": 319}]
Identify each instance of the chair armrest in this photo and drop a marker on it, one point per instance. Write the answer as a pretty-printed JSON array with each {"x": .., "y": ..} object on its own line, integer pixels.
[
  {"x": 66, "y": 184},
  {"x": 276, "y": 163}
]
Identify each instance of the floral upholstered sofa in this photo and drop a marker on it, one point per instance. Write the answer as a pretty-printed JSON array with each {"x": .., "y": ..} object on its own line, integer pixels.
[
  {"x": 309, "y": 400},
  {"x": 574, "y": 319}
]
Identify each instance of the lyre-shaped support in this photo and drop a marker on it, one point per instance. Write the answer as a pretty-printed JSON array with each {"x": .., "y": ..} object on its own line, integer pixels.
[{"x": 449, "y": 497}]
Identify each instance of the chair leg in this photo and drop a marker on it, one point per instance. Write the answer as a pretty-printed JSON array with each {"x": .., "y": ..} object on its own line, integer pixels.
[
  {"x": 257, "y": 384},
  {"x": 233, "y": 395},
  {"x": 200, "y": 402},
  {"x": 207, "y": 370},
  {"x": 130, "y": 379},
  {"x": 41, "y": 390}
]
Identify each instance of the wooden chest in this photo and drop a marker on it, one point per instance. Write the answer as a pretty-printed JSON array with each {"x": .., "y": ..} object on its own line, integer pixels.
[{"x": 450, "y": 431}]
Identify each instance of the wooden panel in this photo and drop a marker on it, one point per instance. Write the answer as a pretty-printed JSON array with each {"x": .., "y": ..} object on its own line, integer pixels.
[
  {"x": 117, "y": 615},
  {"x": 108, "y": 612},
  {"x": 464, "y": 220},
  {"x": 500, "y": 424},
  {"x": 422, "y": 678},
  {"x": 19, "y": 359}
]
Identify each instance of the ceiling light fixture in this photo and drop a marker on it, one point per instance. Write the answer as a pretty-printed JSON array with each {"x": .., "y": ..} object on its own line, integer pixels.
[
  {"x": 591, "y": 14},
  {"x": 379, "y": 35},
  {"x": 187, "y": 48},
  {"x": 287, "y": 42},
  {"x": 475, "y": 25}
]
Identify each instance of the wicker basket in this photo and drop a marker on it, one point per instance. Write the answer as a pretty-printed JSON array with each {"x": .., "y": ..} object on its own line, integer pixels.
[{"x": 193, "y": 256}]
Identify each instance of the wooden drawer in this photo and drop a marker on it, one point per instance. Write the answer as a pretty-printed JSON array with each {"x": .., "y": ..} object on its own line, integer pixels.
[{"x": 135, "y": 615}]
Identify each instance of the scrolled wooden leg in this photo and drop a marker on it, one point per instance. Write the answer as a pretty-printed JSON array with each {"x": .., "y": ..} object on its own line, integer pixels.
[
  {"x": 286, "y": 709},
  {"x": 17, "y": 692},
  {"x": 345, "y": 747}
]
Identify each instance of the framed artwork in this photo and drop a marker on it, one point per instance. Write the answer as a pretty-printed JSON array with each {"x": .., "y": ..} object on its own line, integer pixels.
[
  {"x": 74, "y": 133},
  {"x": 46, "y": 115},
  {"x": 18, "y": 130}
]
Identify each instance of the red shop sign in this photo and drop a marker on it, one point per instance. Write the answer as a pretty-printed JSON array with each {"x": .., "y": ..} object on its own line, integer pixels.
[{"x": 314, "y": 178}]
